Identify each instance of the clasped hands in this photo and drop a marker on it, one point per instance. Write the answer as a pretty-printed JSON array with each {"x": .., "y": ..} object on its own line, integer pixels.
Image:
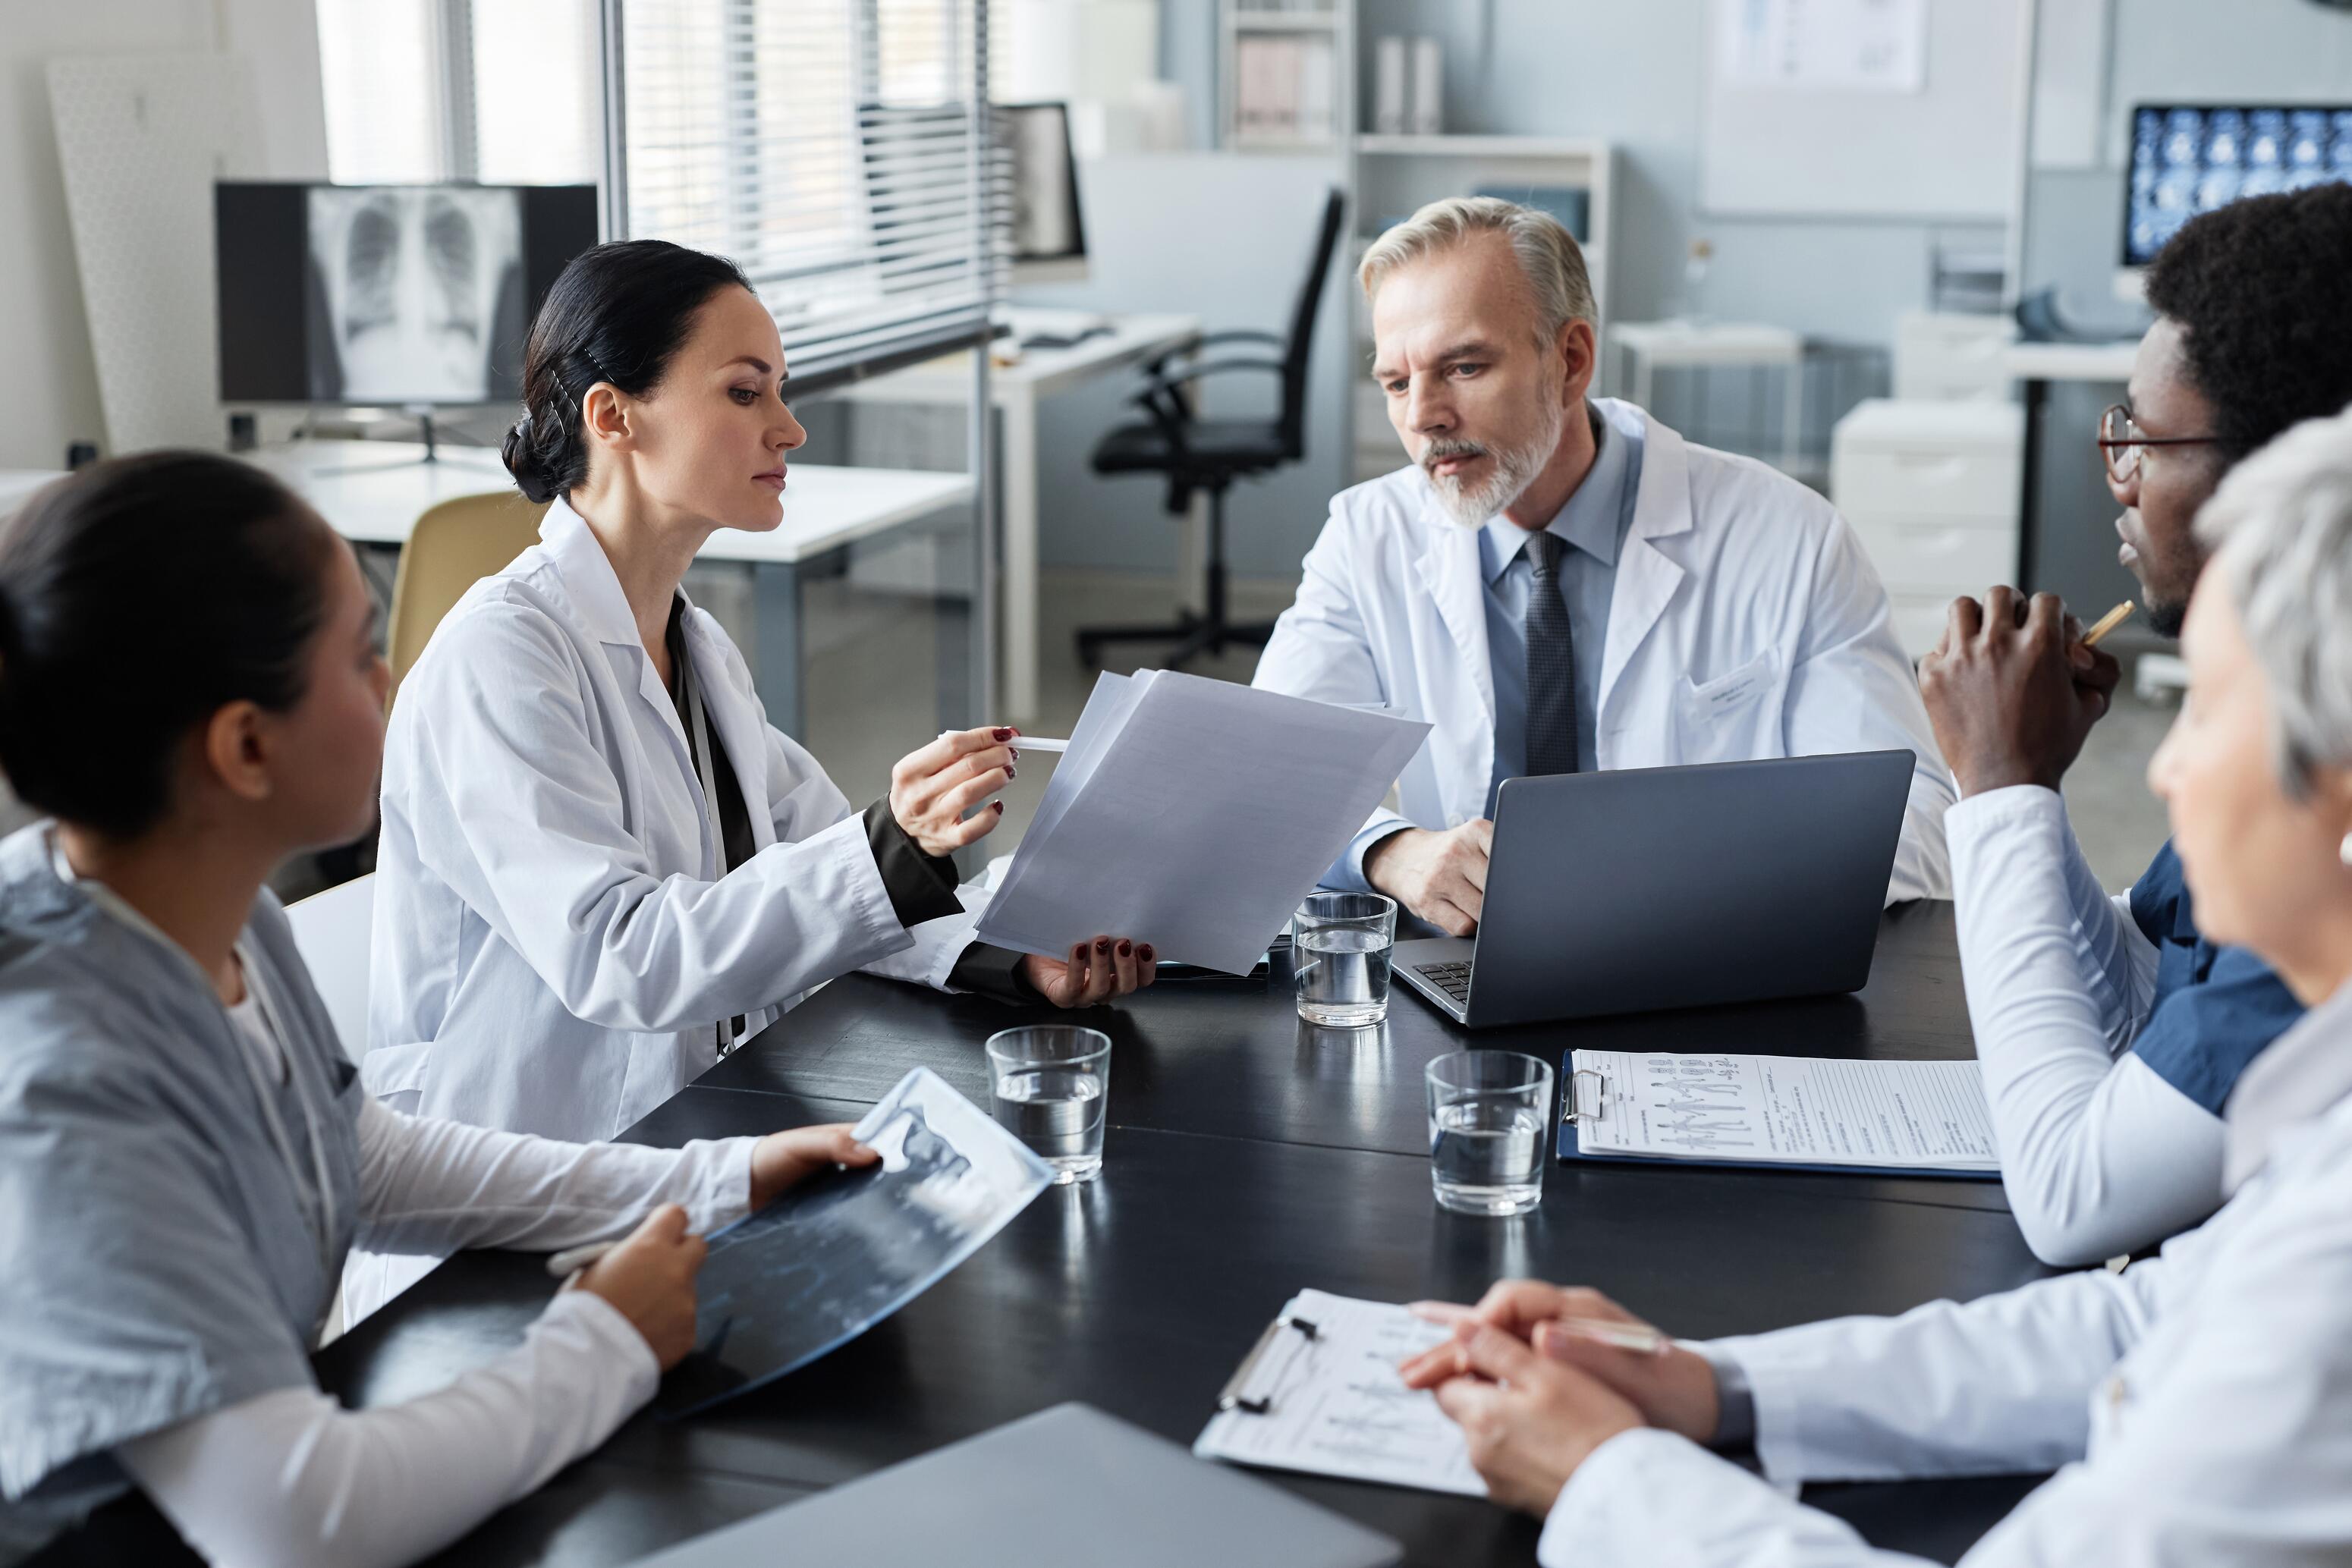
[
  {"x": 933, "y": 795},
  {"x": 1534, "y": 1399},
  {"x": 2011, "y": 690}
]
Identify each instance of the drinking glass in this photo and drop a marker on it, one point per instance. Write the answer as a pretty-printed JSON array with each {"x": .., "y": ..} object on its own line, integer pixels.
[
  {"x": 1047, "y": 1083},
  {"x": 1488, "y": 1114},
  {"x": 1341, "y": 944}
]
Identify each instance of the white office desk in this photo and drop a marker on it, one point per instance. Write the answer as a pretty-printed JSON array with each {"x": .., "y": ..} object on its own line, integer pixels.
[
  {"x": 1017, "y": 380},
  {"x": 372, "y": 492}
]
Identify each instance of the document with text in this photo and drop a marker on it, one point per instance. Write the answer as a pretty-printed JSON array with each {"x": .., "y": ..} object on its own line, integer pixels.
[
  {"x": 1194, "y": 815},
  {"x": 1327, "y": 1399},
  {"x": 1928, "y": 1117}
]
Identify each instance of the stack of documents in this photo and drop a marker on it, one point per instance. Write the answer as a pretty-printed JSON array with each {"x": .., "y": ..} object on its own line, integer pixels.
[
  {"x": 1917, "y": 1118},
  {"x": 1194, "y": 815}
]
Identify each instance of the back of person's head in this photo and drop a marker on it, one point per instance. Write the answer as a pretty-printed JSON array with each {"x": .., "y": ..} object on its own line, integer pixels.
[
  {"x": 2262, "y": 290},
  {"x": 138, "y": 597},
  {"x": 1548, "y": 254},
  {"x": 617, "y": 314}
]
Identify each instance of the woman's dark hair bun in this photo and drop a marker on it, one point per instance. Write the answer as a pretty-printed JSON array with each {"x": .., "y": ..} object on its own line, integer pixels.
[
  {"x": 531, "y": 476},
  {"x": 138, "y": 597},
  {"x": 618, "y": 313}
]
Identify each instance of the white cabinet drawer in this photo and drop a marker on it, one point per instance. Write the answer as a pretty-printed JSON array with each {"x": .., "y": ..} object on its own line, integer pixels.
[
  {"x": 1937, "y": 555},
  {"x": 1945, "y": 482}
]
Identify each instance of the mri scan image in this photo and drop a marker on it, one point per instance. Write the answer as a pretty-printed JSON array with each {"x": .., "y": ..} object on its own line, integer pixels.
[{"x": 417, "y": 286}]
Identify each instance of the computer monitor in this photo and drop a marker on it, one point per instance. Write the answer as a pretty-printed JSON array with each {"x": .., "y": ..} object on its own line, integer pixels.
[
  {"x": 1047, "y": 233},
  {"x": 410, "y": 296},
  {"x": 2188, "y": 159}
]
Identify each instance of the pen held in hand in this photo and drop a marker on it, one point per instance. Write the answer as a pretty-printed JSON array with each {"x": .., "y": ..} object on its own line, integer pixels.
[
  {"x": 572, "y": 1259},
  {"x": 1638, "y": 1337},
  {"x": 2107, "y": 622}
]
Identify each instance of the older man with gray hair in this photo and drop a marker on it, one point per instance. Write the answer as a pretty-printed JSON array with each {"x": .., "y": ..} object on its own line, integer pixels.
[{"x": 1559, "y": 584}]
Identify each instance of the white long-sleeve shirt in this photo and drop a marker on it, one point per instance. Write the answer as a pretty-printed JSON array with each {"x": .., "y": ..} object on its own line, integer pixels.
[
  {"x": 290, "y": 1477},
  {"x": 2198, "y": 1404},
  {"x": 2098, "y": 1154}
]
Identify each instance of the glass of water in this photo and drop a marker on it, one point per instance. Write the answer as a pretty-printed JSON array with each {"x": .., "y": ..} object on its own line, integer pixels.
[
  {"x": 1488, "y": 1113},
  {"x": 1047, "y": 1083},
  {"x": 1341, "y": 944}
]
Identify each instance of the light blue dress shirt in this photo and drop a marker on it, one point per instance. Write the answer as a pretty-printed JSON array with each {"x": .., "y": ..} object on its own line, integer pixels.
[{"x": 1594, "y": 521}]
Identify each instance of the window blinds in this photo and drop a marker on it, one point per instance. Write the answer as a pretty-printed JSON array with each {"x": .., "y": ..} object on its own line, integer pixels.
[{"x": 834, "y": 149}]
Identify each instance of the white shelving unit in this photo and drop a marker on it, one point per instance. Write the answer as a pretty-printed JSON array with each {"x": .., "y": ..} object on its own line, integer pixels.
[{"x": 1390, "y": 176}]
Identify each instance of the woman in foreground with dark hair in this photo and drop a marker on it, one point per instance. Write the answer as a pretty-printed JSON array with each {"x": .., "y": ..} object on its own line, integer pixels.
[
  {"x": 601, "y": 866},
  {"x": 189, "y": 687}
]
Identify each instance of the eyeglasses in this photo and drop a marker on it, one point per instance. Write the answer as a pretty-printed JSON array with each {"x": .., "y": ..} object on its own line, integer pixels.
[{"x": 2120, "y": 439}]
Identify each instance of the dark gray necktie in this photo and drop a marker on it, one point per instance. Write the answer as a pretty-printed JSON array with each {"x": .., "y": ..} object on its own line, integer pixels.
[{"x": 1552, "y": 663}]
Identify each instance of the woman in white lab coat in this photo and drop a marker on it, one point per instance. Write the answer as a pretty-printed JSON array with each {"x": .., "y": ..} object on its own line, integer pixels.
[
  {"x": 2195, "y": 1406},
  {"x": 599, "y": 864}
]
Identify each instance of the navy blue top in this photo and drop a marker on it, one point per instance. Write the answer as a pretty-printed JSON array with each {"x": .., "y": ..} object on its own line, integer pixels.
[{"x": 2216, "y": 1009}]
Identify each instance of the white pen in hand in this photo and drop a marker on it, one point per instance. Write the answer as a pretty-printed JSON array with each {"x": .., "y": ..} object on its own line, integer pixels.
[
  {"x": 575, "y": 1260},
  {"x": 1637, "y": 1337}
]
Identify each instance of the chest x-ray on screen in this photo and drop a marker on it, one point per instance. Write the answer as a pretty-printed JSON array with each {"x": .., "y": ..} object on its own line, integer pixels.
[{"x": 412, "y": 290}]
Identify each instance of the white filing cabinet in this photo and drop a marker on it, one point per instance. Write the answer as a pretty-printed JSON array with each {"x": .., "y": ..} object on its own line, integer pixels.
[
  {"x": 1931, "y": 488},
  {"x": 1941, "y": 355}
]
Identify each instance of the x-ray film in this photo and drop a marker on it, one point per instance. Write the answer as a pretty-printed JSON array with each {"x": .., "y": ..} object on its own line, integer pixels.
[{"x": 834, "y": 1257}]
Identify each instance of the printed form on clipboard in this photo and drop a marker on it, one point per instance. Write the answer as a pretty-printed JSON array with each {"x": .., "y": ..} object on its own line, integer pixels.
[
  {"x": 1320, "y": 1393},
  {"x": 1910, "y": 1118}
]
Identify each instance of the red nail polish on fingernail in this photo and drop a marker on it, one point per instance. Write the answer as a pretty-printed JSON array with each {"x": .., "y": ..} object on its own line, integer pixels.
[
  {"x": 1003, "y": 735},
  {"x": 1144, "y": 952},
  {"x": 999, "y": 807},
  {"x": 1102, "y": 944},
  {"x": 1124, "y": 947}
]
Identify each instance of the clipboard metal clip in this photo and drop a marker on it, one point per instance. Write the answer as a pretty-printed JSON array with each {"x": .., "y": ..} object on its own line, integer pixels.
[
  {"x": 1230, "y": 1396},
  {"x": 1574, "y": 1107}
]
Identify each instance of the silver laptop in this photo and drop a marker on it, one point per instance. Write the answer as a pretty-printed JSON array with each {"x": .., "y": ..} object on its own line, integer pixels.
[
  {"x": 1066, "y": 1485},
  {"x": 1672, "y": 887}
]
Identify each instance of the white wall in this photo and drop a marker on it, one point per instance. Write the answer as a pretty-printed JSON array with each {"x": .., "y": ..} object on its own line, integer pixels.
[{"x": 44, "y": 339}]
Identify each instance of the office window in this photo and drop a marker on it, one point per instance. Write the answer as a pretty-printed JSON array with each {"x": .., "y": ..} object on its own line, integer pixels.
[
  {"x": 380, "y": 67},
  {"x": 538, "y": 92},
  {"x": 509, "y": 92},
  {"x": 827, "y": 146}
]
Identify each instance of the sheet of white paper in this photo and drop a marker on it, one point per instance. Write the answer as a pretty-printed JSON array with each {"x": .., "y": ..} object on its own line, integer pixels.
[
  {"x": 1194, "y": 815},
  {"x": 1786, "y": 1110},
  {"x": 1834, "y": 46},
  {"x": 1339, "y": 1406}
]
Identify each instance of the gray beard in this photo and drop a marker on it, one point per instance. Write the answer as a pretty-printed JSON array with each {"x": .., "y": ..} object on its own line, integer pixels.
[{"x": 1515, "y": 469}]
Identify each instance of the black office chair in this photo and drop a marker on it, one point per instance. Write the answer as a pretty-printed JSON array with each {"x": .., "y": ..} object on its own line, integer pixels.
[{"x": 1209, "y": 454}]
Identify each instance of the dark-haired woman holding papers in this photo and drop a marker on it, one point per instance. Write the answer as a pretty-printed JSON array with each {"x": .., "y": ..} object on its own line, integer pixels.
[
  {"x": 600, "y": 865},
  {"x": 189, "y": 687}
]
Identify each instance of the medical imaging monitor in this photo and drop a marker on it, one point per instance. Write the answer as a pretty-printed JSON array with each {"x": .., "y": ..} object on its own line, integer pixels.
[
  {"x": 1039, "y": 192},
  {"x": 2188, "y": 159},
  {"x": 409, "y": 296}
]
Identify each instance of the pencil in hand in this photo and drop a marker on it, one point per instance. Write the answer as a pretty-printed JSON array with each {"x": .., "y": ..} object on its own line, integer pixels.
[{"x": 2107, "y": 622}]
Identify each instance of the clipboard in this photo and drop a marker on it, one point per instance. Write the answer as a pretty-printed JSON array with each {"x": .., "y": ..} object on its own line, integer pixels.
[
  {"x": 1584, "y": 1099},
  {"x": 1318, "y": 1393}
]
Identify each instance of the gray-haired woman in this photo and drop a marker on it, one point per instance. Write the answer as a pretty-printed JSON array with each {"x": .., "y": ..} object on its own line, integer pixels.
[{"x": 2197, "y": 1407}]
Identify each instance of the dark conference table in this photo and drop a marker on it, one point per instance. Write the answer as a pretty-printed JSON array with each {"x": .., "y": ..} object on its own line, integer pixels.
[{"x": 1248, "y": 1155}]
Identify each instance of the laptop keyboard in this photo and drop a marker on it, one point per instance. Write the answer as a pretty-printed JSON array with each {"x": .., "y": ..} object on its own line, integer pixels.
[{"x": 1454, "y": 979}]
